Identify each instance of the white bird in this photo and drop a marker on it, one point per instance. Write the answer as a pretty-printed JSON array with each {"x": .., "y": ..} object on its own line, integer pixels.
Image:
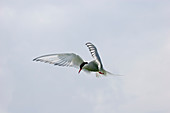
[{"x": 73, "y": 60}]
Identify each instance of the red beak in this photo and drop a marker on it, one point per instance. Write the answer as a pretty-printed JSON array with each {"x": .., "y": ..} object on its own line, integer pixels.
[{"x": 79, "y": 70}]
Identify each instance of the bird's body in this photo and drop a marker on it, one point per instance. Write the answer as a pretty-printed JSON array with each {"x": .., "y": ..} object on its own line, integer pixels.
[
  {"x": 91, "y": 66},
  {"x": 73, "y": 60}
]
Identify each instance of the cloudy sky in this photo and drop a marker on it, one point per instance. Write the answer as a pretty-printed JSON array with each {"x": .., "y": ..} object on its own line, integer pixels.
[{"x": 133, "y": 39}]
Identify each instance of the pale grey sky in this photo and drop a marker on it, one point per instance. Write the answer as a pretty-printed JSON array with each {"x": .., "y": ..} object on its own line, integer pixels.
[{"x": 132, "y": 37}]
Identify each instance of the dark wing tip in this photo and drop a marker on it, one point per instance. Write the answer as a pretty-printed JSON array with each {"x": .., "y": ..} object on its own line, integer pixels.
[
  {"x": 35, "y": 59},
  {"x": 88, "y": 43}
]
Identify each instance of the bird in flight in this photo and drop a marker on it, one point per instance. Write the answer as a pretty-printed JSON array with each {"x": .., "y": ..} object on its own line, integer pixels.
[{"x": 73, "y": 60}]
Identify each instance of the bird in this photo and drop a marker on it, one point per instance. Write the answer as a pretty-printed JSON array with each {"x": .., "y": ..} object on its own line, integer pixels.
[{"x": 74, "y": 60}]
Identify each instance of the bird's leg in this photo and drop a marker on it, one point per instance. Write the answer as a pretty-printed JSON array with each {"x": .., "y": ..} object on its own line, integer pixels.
[{"x": 101, "y": 73}]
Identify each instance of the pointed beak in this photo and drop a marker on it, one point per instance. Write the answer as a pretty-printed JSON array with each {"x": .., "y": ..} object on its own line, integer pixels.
[{"x": 79, "y": 70}]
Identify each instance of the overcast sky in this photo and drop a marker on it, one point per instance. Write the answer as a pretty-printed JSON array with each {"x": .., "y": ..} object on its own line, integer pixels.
[{"x": 132, "y": 37}]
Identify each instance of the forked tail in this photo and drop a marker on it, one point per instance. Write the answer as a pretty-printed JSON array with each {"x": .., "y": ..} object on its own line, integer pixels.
[{"x": 109, "y": 73}]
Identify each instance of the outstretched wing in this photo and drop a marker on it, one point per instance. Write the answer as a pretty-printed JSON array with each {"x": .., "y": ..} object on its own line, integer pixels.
[
  {"x": 64, "y": 59},
  {"x": 95, "y": 54}
]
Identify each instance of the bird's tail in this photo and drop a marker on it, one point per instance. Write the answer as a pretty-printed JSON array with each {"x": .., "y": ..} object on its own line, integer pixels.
[{"x": 109, "y": 73}]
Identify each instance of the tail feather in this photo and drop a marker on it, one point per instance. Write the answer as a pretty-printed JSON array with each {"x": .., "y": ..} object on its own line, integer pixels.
[{"x": 109, "y": 73}]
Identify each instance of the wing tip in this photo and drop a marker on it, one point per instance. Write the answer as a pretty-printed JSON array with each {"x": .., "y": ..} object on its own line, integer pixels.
[
  {"x": 35, "y": 59},
  {"x": 88, "y": 43}
]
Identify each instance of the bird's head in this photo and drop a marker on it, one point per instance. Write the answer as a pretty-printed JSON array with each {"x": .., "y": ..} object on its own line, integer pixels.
[{"x": 81, "y": 66}]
